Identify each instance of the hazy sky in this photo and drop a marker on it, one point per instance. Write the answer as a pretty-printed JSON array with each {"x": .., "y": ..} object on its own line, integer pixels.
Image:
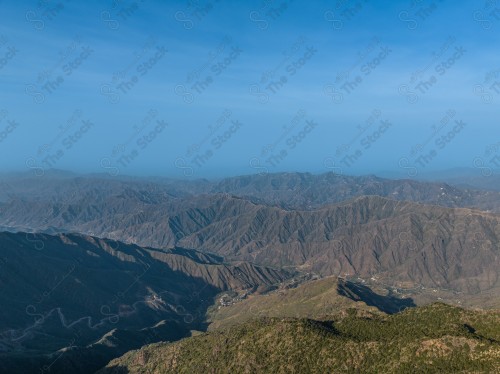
[{"x": 202, "y": 88}]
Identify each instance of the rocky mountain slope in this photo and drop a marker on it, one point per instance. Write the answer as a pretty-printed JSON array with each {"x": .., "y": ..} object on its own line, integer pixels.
[
  {"x": 370, "y": 236},
  {"x": 396, "y": 241},
  {"x": 68, "y": 291}
]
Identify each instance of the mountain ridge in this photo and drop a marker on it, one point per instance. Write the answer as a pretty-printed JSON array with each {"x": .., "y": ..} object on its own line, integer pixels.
[
  {"x": 433, "y": 339},
  {"x": 64, "y": 293}
]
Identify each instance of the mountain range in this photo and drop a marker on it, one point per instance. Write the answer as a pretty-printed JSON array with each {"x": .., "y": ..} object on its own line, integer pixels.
[{"x": 93, "y": 266}]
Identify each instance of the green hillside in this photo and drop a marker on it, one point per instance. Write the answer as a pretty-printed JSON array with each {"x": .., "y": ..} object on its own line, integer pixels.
[{"x": 433, "y": 339}]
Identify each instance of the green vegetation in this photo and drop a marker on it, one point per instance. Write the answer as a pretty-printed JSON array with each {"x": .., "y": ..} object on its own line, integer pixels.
[{"x": 433, "y": 339}]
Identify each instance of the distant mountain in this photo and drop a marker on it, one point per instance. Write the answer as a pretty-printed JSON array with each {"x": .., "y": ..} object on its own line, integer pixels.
[
  {"x": 303, "y": 191},
  {"x": 434, "y": 339},
  {"x": 308, "y": 191},
  {"x": 83, "y": 294},
  {"x": 475, "y": 180},
  {"x": 395, "y": 241}
]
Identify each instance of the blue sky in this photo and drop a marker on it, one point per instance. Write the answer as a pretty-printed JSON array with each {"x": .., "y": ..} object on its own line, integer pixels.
[{"x": 212, "y": 88}]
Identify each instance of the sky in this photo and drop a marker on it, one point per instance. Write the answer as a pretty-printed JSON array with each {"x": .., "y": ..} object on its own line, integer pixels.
[{"x": 211, "y": 88}]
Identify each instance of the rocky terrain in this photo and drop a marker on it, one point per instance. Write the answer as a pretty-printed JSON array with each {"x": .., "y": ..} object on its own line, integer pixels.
[
  {"x": 74, "y": 295},
  {"x": 93, "y": 266}
]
